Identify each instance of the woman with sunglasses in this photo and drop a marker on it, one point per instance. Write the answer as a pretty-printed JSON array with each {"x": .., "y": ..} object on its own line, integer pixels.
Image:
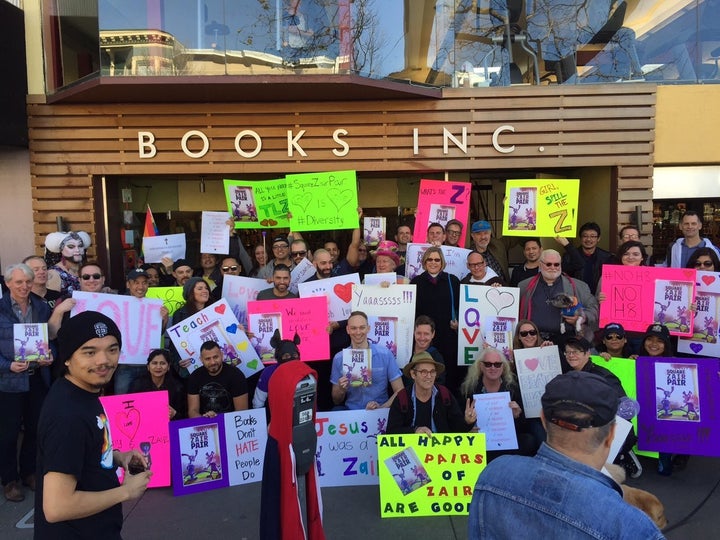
[
  {"x": 614, "y": 342},
  {"x": 704, "y": 259},
  {"x": 157, "y": 378},
  {"x": 438, "y": 297},
  {"x": 527, "y": 336},
  {"x": 491, "y": 372}
]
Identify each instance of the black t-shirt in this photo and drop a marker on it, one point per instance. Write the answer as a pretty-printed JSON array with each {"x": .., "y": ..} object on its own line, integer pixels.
[
  {"x": 423, "y": 413},
  {"x": 74, "y": 438},
  {"x": 217, "y": 393}
]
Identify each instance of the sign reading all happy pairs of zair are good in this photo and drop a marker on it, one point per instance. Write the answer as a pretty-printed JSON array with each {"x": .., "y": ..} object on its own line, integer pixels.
[
  {"x": 546, "y": 207},
  {"x": 433, "y": 475}
]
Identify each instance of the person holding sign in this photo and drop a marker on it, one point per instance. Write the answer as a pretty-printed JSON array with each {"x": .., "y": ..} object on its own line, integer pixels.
[
  {"x": 491, "y": 372},
  {"x": 568, "y": 496},
  {"x": 384, "y": 371},
  {"x": 426, "y": 407},
  {"x": 197, "y": 296}
]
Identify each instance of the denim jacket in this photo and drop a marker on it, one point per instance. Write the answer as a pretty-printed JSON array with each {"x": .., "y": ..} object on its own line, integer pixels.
[
  {"x": 10, "y": 381},
  {"x": 552, "y": 496}
]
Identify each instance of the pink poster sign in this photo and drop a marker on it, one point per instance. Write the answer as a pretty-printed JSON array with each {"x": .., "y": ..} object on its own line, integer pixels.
[
  {"x": 140, "y": 422},
  {"x": 637, "y": 296},
  {"x": 439, "y": 202},
  {"x": 306, "y": 316}
]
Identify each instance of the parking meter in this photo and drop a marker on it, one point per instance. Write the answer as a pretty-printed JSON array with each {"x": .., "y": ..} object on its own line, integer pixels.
[{"x": 304, "y": 437}]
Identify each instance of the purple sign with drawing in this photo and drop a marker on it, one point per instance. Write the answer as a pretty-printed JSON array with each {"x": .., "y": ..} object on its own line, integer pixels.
[
  {"x": 679, "y": 406},
  {"x": 198, "y": 457}
]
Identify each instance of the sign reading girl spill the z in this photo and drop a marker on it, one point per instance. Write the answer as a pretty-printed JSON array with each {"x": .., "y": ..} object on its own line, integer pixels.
[{"x": 541, "y": 208}]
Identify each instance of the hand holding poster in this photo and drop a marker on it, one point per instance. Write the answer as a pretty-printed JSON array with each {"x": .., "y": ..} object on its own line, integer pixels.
[
  {"x": 424, "y": 475},
  {"x": 168, "y": 245},
  {"x": 303, "y": 271},
  {"x": 545, "y": 207},
  {"x": 245, "y": 439},
  {"x": 257, "y": 204},
  {"x": 214, "y": 233},
  {"x": 138, "y": 319},
  {"x": 198, "y": 454},
  {"x": 535, "y": 368},
  {"x": 31, "y": 342},
  {"x": 374, "y": 230},
  {"x": 140, "y": 422},
  {"x": 171, "y": 297},
  {"x": 439, "y": 202},
  {"x": 495, "y": 420},
  {"x": 323, "y": 201},
  {"x": 637, "y": 296}
]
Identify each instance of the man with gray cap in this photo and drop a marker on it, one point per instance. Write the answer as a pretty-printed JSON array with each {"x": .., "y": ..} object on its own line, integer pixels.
[
  {"x": 561, "y": 492},
  {"x": 78, "y": 493}
]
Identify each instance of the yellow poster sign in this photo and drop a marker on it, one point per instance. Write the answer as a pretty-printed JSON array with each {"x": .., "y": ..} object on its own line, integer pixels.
[
  {"x": 171, "y": 296},
  {"x": 545, "y": 208},
  {"x": 424, "y": 475}
]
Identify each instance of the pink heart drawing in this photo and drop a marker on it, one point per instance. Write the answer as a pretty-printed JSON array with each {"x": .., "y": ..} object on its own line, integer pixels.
[
  {"x": 696, "y": 347},
  {"x": 532, "y": 363},
  {"x": 128, "y": 422},
  {"x": 343, "y": 291},
  {"x": 220, "y": 309},
  {"x": 499, "y": 300},
  {"x": 708, "y": 280}
]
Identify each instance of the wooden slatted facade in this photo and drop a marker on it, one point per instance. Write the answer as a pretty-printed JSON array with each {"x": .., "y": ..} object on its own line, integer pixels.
[{"x": 554, "y": 128}]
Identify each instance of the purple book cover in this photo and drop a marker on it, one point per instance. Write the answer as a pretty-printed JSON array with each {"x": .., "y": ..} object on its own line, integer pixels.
[
  {"x": 679, "y": 408},
  {"x": 197, "y": 453}
]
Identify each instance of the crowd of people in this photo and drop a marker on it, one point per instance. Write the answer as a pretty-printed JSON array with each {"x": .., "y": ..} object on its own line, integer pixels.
[{"x": 432, "y": 393}]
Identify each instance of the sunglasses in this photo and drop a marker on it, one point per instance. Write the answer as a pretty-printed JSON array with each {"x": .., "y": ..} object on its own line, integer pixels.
[
  {"x": 556, "y": 265},
  {"x": 614, "y": 337},
  {"x": 298, "y": 253},
  {"x": 526, "y": 333},
  {"x": 229, "y": 268},
  {"x": 497, "y": 365},
  {"x": 433, "y": 259},
  {"x": 706, "y": 264},
  {"x": 86, "y": 277}
]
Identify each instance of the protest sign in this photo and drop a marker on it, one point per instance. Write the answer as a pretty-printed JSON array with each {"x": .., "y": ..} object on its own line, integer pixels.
[
  {"x": 455, "y": 260},
  {"x": 154, "y": 248},
  {"x": 679, "y": 410},
  {"x": 238, "y": 291},
  {"x": 171, "y": 297},
  {"x": 217, "y": 323},
  {"x": 622, "y": 428},
  {"x": 346, "y": 451},
  {"x": 257, "y": 204},
  {"x": 637, "y": 296},
  {"x": 383, "y": 277},
  {"x": 214, "y": 233},
  {"x": 536, "y": 367},
  {"x": 198, "y": 455},
  {"x": 424, "y": 475},
  {"x": 31, "y": 342},
  {"x": 323, "y": 201},
  {"x": 306, "y": 316},
  {"x": 546, "y": 207},
  {"x": 486, "y": 314},
  {"x": 704, "y": 339},
  {"x": 140, "y": 422},
  {"x": 439, "y": 202},
  {"x": 303, "y": 271},
  {"x": 245, "y": 439},
  {"x": 138, "y": 319},
  {"x": 495, "y": 420},
  {"x": 337, "y": 290},
  {"x": 374, "y": 230},
  {"x": 391, "y": 314}
]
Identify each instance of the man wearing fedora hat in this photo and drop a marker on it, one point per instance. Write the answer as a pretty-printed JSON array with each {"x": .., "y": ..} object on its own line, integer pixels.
[
  {"x": 425, "y": 407},
  {"x": 561, "y": 492}
]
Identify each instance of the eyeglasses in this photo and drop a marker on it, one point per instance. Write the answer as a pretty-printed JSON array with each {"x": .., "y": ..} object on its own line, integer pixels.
[
  {"x": 280, "y": 246},
  {"x": 526, "y": 333},
  {"x": 452, "y": 232},
  {"x": 555, "y": 265},
  {"x": 433, "y": 259},
  {"x": 475, "y": 265},
  {"x": 496, "y": 365},
  {"x": 86, "y": 277},
  {"x": 298, "y": 253},
  {"x": 573, "y": 352},
  {"x": 613, "y": 337},
  {"x": 630, "y": 237},
  {"x": 228, "y": 268},
  {"x": 706, "y": 264},
  {"x": 425, "y": 372}
]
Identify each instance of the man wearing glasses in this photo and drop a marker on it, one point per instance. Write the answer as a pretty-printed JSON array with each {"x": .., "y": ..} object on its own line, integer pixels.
[
  {"x": 480, "y": 273},
  {"x": 453, "y": 233},
  {"x": 425, "y": 407},
  {"x": 536, "y": 293},
  {"x": 587, "y": 262},
  {"x": 281, "y": 255}
]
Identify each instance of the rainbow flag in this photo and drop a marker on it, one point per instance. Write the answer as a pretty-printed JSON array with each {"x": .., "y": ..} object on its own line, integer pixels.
[{"x": 150, "y": 227}]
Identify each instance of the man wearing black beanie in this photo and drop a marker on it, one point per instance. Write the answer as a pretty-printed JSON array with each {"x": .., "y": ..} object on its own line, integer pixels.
[{"x": 78, "y": 493}]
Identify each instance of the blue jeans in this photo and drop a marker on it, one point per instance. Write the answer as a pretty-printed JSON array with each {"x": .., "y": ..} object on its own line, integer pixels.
[{"x": 125, "y": 375}]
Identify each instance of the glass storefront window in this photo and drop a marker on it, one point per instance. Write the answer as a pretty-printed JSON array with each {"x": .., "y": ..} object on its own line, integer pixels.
[{"x": 472, "y": 43}]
